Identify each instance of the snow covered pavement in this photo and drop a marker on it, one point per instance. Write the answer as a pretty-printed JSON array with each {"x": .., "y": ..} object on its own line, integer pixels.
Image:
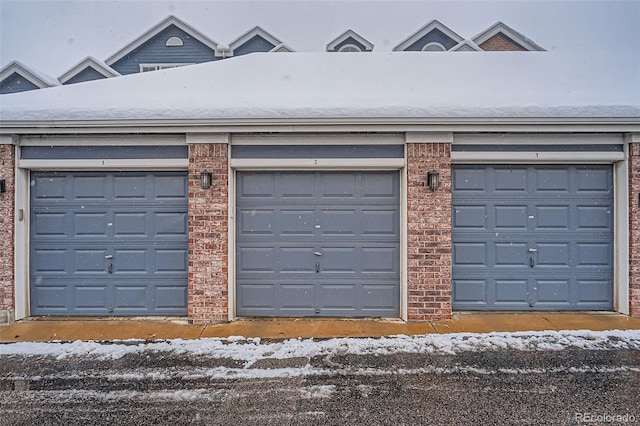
[{"x": 526, "y": 377}]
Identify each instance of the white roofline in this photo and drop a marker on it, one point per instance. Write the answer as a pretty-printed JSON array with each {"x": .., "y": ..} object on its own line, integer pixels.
[
  {"x": 27, "y": 73},
  {"x": 467, "y": 43},
  {"x": 91, "y": 62},
  {"x": 501, "y": 27},
  {"x": 345, "y": 35},
  {"x": 282, "y": 47},
  {"x": 257, "y": 30},
  {"x": 155, "y": 30},
  {"x": 325, "y": 125},
  {"x": 426, "y": 30}
]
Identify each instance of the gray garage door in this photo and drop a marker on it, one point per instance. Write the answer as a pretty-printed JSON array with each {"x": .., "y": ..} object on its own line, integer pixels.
[
  {"x": 108, "y": 243},
  {"x": 318, "y": 244},
  {"x": 533, "y": 237}
]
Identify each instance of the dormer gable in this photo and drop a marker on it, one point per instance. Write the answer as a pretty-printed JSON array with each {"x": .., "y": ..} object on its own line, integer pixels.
[
  {"x": 501, "y": 37},
  {"x": 255, "y": 40},
  {"x": 349, "y": 41},
  {"x": 17, "y": 77},
  {"x": 432, "y": 37},
  {"x": 86, "y": 70},
  {"x": 171, "y": 41}
]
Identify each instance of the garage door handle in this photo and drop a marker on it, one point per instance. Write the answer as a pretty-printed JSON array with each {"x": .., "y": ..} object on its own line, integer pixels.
[
  {"x": 532, "y": 262},
  {"x": 110, "y": 268},
  {"x": 317, "y": 266}
]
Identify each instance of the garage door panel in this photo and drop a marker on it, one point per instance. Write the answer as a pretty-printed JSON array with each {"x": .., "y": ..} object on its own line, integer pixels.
[
  {"x": 128, "y": 188},
  {"x": 510, "y": 255},
  {"x": 329, "y": 233},
  {"x": 594, "y": 217},
  {"x": 380, "y": 260},
  {"x": 594, "y": 254},
  {"x": 379, "y": 222},
  {"x": 170, "y": 224},
  {"x": 49, "y": 261},
  {"x": 469, "y": 180},
  {"x": 551, "y": 181},
  {"x": 511, "y": 290},
  {"x": 110, "y": 232},
  {"x": 129, "y": 224},
  {"x": 168, "y": 188},
  {"x": 594, "y": 290},
  {"x": 90, "y": 224},
  {"x": 88, "y": 261},
  {"x": 553, "y": 255},
  {"x": 89, "y": 297},
  {"x": 555, "y": 235},
  {"x": 554, "y": 218},
  {"x": 512, "y": 180},
  {"x": 510, "y": 217},
  {"x": 131, "y": 297},
  {"x": 337, "y": 185},
  {"x": 470, "y": 217},
  {"x": 590, "y": 180},
  {"x": 170, "y": 297},
  {"x": 296, "y": 185},
  {"x": 296, "y": 222},
  {"x": 470, "y": 291},
  {"x": 553, "y": 291},
  {"x": 49, "y": 224},
  {"x": 48, "y": 187}
]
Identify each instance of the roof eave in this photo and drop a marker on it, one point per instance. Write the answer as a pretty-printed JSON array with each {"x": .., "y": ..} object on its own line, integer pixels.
[{"x": 328, "y": 124}]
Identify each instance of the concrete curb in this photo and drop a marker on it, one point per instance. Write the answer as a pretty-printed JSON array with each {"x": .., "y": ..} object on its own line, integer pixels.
[{"x": 107, "y": 329}]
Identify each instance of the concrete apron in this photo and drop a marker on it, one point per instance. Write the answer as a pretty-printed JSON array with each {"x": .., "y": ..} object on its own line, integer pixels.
[{"x": 103, "y": 329}]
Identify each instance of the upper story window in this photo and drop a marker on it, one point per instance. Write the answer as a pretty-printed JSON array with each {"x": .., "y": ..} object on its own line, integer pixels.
[
  {"x": 174, "y": 41},
  {"x": 433, "y": 47},
  {"x": 156, "y": 67},
  {"x": 349, "y": 48}
]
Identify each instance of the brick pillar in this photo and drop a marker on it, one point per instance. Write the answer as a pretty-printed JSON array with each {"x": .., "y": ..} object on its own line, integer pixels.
[
  {"x": 208, "y": 234},
  {"x": 429, "y": 232},
  {"x": 634, "y": 231},
  {"x": 7, "y": 201}
]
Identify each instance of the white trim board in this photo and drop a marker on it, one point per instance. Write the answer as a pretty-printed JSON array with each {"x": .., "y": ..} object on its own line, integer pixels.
[
  {"x": 107, "y": 164},
  {"x": 530, "y": 157}
]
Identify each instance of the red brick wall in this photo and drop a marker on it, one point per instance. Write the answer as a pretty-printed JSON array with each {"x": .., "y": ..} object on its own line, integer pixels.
[
  {"x": 634, "y": 231},
  {"x": 429, "y": 233},
  {"x": 7, "y": 161},
  {"x": 208, "y": 234},
  {"x": 502, "y": 43}
]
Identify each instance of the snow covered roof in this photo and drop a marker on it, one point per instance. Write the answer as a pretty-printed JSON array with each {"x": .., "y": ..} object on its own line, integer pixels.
[{"x": 392, "y": 85}]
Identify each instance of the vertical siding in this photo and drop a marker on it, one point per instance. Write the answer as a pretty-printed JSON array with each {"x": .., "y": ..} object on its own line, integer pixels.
[
  {"x": 16, "y": 83},
  {"x": 155, "y": 51}
]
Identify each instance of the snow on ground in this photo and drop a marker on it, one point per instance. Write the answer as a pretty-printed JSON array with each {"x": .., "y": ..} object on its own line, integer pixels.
[{"x": 252, "y": 349}]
